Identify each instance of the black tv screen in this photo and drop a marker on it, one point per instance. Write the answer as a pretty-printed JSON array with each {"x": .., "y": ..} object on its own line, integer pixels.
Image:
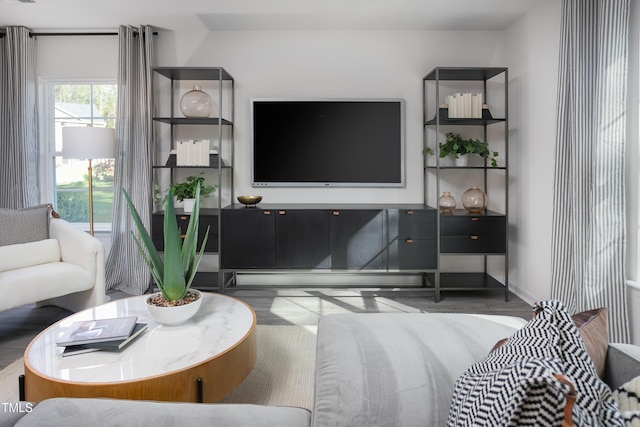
[{"x": 327, "y": 142}]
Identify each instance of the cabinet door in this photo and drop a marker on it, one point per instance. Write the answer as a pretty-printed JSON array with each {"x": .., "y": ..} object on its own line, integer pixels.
[
  {"x": 302, "y": 239},
  {"x": 248, "y": 238},
  {"x": 211, "y": 221},
  {"x": 356, "y": 239}
]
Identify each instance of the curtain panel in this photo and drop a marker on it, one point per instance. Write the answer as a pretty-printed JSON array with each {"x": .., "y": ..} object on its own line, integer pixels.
[
  {"x": 588, "y": 252},
  {"x": 125, "y": 266},
  {"x": 18, "y": 120}
]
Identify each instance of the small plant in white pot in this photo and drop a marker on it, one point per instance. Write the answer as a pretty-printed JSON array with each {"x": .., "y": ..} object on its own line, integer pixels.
[
  {"x": 185, "y": 192},
  {"x": 457, "y": 147},
  {"x": 173, "y": 273}
]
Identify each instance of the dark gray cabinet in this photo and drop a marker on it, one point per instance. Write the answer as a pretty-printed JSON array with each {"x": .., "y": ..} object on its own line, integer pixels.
[
  {"x": 468, "y": 233},
  {"x": 208, "y": 219},
  {"x": 412, "y": 242},
  {"x": 321, "y": 237}
]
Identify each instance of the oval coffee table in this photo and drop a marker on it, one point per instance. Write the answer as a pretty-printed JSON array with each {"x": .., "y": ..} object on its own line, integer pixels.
[{"x": 201, "y": 360}]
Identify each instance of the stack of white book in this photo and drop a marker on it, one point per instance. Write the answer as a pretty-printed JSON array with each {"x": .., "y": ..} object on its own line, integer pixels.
[
  {"x": 193, "y": 152},
  {"x": 465, "y": 105},
  {"x": 111, "y": 334}
]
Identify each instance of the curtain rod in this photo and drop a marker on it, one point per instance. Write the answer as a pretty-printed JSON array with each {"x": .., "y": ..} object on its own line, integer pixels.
[{"x": 32, "y": 34}]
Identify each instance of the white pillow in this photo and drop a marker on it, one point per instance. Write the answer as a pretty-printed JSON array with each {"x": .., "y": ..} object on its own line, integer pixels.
[{"x": 27, "y": 254}]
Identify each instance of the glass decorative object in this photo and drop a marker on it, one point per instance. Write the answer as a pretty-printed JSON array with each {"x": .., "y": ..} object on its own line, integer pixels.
[
  {"x": 196, "y": 104},
  {"x": 447, "y": 203},
  {"x": 474, "y": 200}
]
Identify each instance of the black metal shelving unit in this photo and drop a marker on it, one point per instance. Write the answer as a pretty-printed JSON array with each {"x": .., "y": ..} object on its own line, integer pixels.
[
  {"x": 461, "y": 233},
  {"x": 167, "y": 85}
]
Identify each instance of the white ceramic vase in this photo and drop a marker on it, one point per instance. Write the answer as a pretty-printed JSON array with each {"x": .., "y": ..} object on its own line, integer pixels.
[
  {"x": 187, "y": 205},
  {"x": 462, "y": 161},
  {"x": 174, "y": 315}
]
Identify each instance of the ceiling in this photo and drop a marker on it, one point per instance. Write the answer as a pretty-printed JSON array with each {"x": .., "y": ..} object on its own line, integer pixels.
[{"x": 199, "y": 15}]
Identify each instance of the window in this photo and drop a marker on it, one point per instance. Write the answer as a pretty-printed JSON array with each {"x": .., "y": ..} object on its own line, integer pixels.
[{"x": 80, "y": 104}]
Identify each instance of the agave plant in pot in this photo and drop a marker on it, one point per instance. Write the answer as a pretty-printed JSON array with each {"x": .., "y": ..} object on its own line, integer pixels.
[{"x": 173, "y": 274}]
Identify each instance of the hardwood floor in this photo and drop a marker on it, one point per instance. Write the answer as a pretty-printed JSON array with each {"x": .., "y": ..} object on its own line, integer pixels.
[{"x": 284, "y": 306}]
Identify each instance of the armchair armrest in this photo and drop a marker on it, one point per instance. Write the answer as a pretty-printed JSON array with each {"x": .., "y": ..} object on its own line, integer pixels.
[
  {"x": 85, "y": 251},
  {"x": 622, "y": 365}
]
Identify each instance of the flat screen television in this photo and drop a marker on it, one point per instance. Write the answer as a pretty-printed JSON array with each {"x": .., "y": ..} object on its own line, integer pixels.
[{"x": 327, "y": 142}]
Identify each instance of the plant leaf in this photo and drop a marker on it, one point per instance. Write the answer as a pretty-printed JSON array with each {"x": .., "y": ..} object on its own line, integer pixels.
[
  {"x": 197, "y": 260},
  {"x": 191, "y": 236},
  {"x": 152, "y": 258},
  {"x": 174, "y": 274}
]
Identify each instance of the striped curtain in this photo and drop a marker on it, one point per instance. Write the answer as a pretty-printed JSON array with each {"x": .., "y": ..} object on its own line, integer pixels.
[
  {"x": 18, "y": 119},
  {"x": 588, "y": 252},
  {"x": 126, "y": 269}
]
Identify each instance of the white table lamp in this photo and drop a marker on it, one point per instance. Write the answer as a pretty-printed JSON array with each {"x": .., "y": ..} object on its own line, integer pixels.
[{"x": 88, "y": 143}]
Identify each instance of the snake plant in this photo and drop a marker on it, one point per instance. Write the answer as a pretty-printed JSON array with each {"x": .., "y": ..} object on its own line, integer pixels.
[{"x": 174, "y": 274}]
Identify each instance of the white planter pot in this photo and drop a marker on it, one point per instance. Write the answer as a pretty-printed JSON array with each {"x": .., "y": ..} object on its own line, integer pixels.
[
  {"x": 462, "y": 161},
  {"x": 188, "y": 205},
  {"x": 174, "y": 315}
]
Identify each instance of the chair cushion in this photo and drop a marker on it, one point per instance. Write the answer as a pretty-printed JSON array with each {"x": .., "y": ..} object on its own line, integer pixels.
[
  {"x": 24, "y": 225},
  {"x": 387, "y": 369},
  {"x": 23, "y": 255},
  {"x": 41, "y": 282}
]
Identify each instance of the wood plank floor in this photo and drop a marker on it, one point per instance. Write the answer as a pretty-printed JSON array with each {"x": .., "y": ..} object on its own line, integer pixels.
[{"x": 284, "y": 306}]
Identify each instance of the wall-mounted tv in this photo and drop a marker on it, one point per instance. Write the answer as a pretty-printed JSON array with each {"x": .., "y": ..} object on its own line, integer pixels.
[{"x": 327, "y": 142}]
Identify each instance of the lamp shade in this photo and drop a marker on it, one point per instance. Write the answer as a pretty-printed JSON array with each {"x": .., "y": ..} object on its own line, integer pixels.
[{"x": 88, "y": 143}]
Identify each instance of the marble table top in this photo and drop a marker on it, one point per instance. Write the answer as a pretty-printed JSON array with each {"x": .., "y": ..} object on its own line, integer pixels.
[{"x": 220, "y": 324}]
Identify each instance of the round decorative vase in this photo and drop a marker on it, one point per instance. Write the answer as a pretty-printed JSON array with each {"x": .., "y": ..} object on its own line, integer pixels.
[
  {"x": 187, "y": 205},
  {"x": 474, "y": 200},
  {"x": 447, "y": 203},
  {"x": 196, "y": 104},
  {"x": 176, "y": 314}
]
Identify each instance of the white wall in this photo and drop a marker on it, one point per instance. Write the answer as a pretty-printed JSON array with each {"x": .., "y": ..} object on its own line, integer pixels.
[
  {"x": 80, "y": 57},
  {"x": 335, "y": 64},
  {"x": 532, "y": 45}
]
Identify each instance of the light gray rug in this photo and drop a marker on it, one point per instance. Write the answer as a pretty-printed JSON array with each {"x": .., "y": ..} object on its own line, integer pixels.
[{"x": 283, "y": 375}]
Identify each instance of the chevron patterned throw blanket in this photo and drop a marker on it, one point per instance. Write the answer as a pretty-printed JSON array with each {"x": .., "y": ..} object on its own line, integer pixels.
[
  {"x": 515, "y": 385},
  {"x": 627, "y": 397}
]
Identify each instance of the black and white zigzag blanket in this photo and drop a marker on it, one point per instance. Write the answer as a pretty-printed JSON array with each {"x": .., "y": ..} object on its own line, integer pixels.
[{"x": 515, "y": 384}]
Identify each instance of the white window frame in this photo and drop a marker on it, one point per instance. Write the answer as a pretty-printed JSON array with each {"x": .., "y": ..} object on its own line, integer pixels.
[{"x": 47, "y": 152}]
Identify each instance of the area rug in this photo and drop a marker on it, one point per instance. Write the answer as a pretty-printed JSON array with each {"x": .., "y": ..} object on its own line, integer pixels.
[{"x": 282, "y": 376}]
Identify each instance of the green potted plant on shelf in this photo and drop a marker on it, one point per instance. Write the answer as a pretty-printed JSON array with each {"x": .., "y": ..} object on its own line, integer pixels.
[
  {"x": 173, "y": 274},
  {"x": 186, "y": 191},
  {"x": 456, "y": 146}
]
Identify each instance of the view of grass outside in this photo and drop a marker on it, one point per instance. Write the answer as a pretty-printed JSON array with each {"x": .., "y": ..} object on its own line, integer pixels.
[
  {"x": 83, "y": 105},
  {"x": 73, "y": 196}
]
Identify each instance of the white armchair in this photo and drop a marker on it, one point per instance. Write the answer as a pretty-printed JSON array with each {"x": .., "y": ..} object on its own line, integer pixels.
[{"x": 66, "y": 270}]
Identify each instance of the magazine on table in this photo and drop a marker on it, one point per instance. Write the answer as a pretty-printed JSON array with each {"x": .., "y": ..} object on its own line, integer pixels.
[
  {"x": 106, "y": 345},
  {"x": 99, "y": 330}
]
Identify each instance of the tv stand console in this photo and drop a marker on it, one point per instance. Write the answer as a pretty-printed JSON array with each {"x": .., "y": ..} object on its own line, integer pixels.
[{"x": 333, "y": 237}]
